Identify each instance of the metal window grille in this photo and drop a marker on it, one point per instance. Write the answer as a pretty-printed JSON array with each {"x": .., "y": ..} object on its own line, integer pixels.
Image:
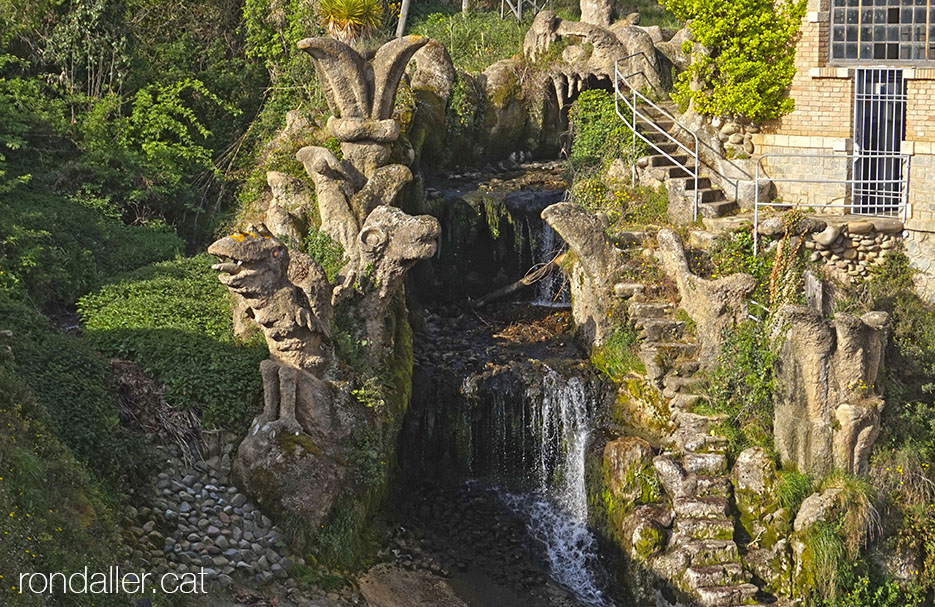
[
  {"x": 882, "y": 30},
  {"x": 878, "y": 186}
]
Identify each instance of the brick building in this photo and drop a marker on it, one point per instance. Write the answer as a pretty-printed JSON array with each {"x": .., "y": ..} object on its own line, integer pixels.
[{"x": 864, "y": 116}]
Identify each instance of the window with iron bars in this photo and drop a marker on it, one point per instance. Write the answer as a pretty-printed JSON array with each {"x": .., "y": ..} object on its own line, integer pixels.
[{"x": 882, "y": 31}]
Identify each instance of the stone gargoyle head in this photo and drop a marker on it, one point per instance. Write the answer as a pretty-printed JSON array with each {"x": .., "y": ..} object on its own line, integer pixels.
[
  {"x": 252, "y": 262},
  {"x": 391, "y": 242}
]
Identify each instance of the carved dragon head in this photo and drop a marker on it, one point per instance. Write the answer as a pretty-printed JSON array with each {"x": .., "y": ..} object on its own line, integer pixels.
[{"x": 251, "y": 262}]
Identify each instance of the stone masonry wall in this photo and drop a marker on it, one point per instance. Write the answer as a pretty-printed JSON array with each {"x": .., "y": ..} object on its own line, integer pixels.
[{"x": 806, "y": 166}]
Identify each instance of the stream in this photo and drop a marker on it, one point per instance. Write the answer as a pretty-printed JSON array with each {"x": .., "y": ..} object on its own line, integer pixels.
[{"x": 503, "y": 405}]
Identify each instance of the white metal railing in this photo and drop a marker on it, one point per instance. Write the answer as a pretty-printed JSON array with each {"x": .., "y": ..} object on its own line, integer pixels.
[
  {"x": 631, "y": 124},
  {"x": 895, "y": 190},
  {"x": 697, "y": 143},
  {"x": 516, "y": 7}
]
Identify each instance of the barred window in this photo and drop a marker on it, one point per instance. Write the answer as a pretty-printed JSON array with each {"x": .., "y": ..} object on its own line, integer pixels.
[{"x": 883, "y": 30}]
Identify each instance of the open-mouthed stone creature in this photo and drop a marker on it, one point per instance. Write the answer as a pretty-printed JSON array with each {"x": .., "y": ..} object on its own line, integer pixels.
[{"x": 256, "y": 267}]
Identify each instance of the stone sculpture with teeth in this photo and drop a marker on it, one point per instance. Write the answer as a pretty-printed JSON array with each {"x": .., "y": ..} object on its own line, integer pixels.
[{"x": 255, "y": 266}]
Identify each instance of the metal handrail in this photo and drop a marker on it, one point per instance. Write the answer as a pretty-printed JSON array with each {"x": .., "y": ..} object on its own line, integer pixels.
[
  {"x": 735, "y": 182},
  {"x": 901, "y": 207},
  {"x": 635, "y": 133}
]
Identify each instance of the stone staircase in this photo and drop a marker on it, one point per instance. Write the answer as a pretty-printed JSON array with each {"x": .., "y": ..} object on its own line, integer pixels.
[
  {"x": 711, "y": 200},
  {"x": 694, "y": 467}
]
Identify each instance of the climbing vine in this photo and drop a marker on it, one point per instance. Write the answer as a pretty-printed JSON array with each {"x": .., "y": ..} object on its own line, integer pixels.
[{"x": 750, "y": 58}]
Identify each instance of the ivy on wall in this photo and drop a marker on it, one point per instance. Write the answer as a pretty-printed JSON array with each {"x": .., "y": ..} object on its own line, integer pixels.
[{"x": 749, "y": 57}]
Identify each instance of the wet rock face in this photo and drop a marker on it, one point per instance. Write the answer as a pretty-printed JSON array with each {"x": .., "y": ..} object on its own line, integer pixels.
[
  {"x": 466, "y": 536},
  {"x": 827, "y": 410}
]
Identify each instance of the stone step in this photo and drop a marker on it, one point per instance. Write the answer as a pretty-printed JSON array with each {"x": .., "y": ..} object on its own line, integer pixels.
[
  {"x": 724, "y": 574},
  {"x": 705, "y": 464},
  {"x": 676, "y": 172},
  {"x": 650, "y": 310},
  {"x": 675, "y": 384},
  {"x": 660, "y": 160},
  {"x": 686, "y": 368},
  {"x": 701, "y": 507},
  {"x": 696, "y": 423},
  {"x": 709, "y": 195},
  {"x": 702, "y": 529},
  {"x": 723, "y": 596},
  {"x": 629, "y": 238},
  {"x": 719, "y": 208},
  {"x": 689, "y": 183},
  {"x": 713, "y": 486},
  {"x": 672, "y": 349},
  {"x": 702, "y": 443},
  {"x": 626, "y": 290},
  {"x": 685, "y": 401},
  {"x": 660, "y": 329},
  {"x": 698, "y": 553}
]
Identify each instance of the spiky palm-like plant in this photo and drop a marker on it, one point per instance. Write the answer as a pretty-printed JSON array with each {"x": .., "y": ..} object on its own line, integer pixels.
[{"x": 350, "y": 20}]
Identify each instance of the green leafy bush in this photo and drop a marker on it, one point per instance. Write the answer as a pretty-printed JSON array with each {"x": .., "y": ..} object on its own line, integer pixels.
[
  {"x": 173, "y": 319},
  {"x": 599, "y": 135},
  {"x": 751, "y": 56},
  {"x": 71, "y": 382},
  {"x": 52, "y": 515},
  {"x": 55, "y": 249},
  {"x": 741, "y": 385}
]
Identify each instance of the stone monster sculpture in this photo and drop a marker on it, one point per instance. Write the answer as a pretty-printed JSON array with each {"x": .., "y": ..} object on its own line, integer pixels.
[
  {"x": 291, "y": 299},
  {"x": 255, "y": 267}
]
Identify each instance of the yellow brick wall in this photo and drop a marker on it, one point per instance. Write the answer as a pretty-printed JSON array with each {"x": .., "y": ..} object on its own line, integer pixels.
[{"x": 920, "y": 110}]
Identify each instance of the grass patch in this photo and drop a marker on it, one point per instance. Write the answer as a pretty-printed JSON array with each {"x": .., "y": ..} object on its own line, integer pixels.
[
  {"x": 617, "y": 358},
  {"x": 173, "y": 319},
  {"x": 793, "y": 488},
  {"x": 475, "y": 42}
]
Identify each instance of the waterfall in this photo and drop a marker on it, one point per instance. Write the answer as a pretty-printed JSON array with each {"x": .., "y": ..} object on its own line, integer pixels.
[
  {"x": 551, "y": 291},
  {"x": 556, "y": 509}
]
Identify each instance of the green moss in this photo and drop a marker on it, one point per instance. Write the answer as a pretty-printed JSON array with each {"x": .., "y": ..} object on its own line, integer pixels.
[
  {"x": 649, "y": 541},
  {"x": 298, "y": 444},
  {"x": 641, "y": 405}
]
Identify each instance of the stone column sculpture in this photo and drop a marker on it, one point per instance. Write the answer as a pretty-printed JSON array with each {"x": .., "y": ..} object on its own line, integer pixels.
[{"x": 293, "y": 459}]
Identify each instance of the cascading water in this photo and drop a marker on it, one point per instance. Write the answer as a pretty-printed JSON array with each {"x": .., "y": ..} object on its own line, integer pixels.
[
  {"x": 556, "y": 509},
  {"x": 552, "y": 290}
]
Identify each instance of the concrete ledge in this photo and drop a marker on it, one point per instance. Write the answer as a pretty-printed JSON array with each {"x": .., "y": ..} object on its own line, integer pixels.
[
  {"x": 831, "y": 72},
  {"x": 837, "y": 144},
  {"x": 919, "y": 73},
  {"x": 817, "y": 16},
  {"x": 918, "y": 147}
]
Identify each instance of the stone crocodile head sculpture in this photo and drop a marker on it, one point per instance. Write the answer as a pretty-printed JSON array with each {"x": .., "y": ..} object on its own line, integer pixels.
[{"x": 254, "y": 265}]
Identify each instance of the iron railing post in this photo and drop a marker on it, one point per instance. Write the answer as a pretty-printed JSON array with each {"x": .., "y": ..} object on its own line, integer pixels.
[{"x": 756, "y": 207}]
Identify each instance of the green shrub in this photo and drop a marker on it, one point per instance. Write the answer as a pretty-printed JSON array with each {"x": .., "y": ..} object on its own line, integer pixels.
[
  {"x": 55, "y": 249},
  {"x": 599, "y": 135},
  {"x": 741, "y": 386},
  {"x": 751, "y": 56},
  {"x": 616, "y": 358},
  {"x": 173, "y": 319},
  {"x": 350, "y": 20},
  {"x": 71, "y": 382},
  {"x": 52, "y": 515}
]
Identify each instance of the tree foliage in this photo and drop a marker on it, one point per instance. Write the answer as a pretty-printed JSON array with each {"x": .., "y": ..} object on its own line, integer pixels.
[{"x": 750, "y": 56}]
